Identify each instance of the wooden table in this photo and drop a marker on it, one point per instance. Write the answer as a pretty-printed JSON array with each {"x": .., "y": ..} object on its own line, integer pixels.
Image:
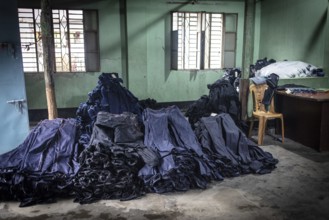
[{"x": 306, "y": 118}]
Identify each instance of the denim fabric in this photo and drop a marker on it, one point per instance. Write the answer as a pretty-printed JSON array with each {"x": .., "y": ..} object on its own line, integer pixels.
[
  {"x": 110, "y": 164},
  {"x": 272, "y": 82},
  {"x": 222, "y": 98},
  {"x": 233, "y": 153},
  {"x": 113, "y": 161},
  {"x": 41, "y": 167},
  {"x": 109, "y": 96},
  {"x": 183, "y": 164}
]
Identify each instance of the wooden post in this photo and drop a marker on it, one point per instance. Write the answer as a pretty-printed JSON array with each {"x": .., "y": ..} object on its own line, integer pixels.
[
  {"x": 326, "y": 44},
  {"x": 248, "y": 39},
  {"x": 48, "y": 57},
  {"x": 248, "y": 51}
]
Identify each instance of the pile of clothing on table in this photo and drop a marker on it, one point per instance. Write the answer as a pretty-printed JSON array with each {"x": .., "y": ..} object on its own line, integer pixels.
[
  {"x": 296, "y": 89},
  {"x": 284, "y": 69},
  {"x": 269, "y": 72},
  {"x": 117, "y": 149},
  {"x": 254, "y": 68}
]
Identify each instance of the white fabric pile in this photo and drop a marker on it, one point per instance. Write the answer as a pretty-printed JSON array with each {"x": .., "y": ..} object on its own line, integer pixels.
[{"x": 288, "y": 69}]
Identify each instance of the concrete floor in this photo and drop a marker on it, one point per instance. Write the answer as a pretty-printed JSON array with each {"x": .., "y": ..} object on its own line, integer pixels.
[{"x": 297, "y": 189}]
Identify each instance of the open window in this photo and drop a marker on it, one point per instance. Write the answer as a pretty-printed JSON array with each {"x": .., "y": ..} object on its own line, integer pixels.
[
  {"x": 75, "y": 32},
  {"x": 201, "y": 40}
]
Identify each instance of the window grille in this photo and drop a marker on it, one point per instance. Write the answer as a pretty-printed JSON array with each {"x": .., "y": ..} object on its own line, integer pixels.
[
  {"x": 198, "y": 40},
  {"x": 69, "y": 40}
]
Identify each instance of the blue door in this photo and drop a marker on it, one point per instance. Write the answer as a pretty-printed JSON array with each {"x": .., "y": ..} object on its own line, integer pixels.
[{"x": 14, "y": 122}]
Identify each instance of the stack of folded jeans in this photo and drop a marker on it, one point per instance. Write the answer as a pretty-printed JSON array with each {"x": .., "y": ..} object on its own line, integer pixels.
[
  {"x": 110, "y": 164},
  {"x": 233, "y": 153},
  {"x": 183, "y": 164},
  {"x": 40, "y": 169},
  {"x": 110, "y": 96}
]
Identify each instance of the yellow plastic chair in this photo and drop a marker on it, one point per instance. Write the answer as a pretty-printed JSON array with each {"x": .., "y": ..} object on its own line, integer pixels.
[{"x": 261, "y": 114}]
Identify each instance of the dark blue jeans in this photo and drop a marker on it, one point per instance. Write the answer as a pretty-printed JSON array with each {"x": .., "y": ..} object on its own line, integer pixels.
[
  {"x": 183, "y": 164},
  {"x": 232, "y": 152}
]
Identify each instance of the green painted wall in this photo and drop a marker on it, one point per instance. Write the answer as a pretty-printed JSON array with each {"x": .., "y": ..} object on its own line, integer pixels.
[
  {"x": 73, "y": 88},
  {"x": 284, "y": 29},
  {"x": 110, "y": 37},
  {"x": 146, "y": 61},
  {"x": 257, "y": 30},
  {"x": 293, "y": 30},
  {"x": 148, "y": 29},
  {"x": 326, "y": 43}
]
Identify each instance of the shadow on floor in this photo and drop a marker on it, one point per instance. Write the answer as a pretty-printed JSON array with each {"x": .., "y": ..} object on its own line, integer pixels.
[{"x": 295, "y": 147}]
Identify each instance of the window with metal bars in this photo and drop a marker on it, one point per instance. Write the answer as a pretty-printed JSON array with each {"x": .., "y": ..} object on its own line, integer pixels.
[
  {"x": 75, "y": 35},
  {"x": 203, "y": 40}
]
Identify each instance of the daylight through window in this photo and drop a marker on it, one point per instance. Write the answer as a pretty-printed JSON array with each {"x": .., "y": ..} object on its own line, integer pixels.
[
  {"x": 199, "y": 37},
  {"x": 69, "y": 40},
  {"x": 198, "y": 40}
]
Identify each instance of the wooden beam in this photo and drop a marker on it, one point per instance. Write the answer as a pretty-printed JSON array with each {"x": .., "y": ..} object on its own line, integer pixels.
[
  {"x": 248, "y": 39},
  {"x": 326, "y": 44},
  {"x": 248, "y": 52},
  {"x": 48, "y": 57}
]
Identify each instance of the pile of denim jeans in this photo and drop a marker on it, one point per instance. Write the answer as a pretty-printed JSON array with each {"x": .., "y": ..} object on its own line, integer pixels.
[
  {"x": 183, "y": 164},
  {"x": 116, "y": 150},
  {"x": 222, "y": 98},
  {"x": 109, "y": 96},
  {"x": 232, "y": 152},
  {"x": 233, "y": 75},
  {"x": 40, "y": 169},
  {"x": 198, "y": 109},
  {"x": 111, "y": 162}
]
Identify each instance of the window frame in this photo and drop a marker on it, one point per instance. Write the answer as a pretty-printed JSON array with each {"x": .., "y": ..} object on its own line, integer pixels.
[
  {"x": 86, "y": 40},
  {"x": 224, "y": 51}
]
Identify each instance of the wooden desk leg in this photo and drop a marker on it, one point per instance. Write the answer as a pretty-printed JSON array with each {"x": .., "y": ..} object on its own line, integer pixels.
[{"x": 324, "y": 130}]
